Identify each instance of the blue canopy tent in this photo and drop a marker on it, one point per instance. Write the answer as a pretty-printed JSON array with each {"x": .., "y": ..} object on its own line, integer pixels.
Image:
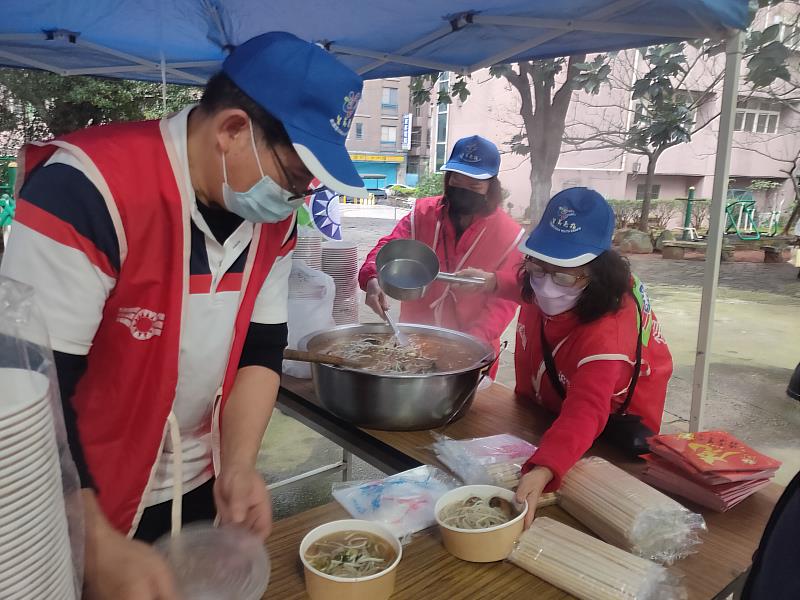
[{"x": 184, "y": 41}]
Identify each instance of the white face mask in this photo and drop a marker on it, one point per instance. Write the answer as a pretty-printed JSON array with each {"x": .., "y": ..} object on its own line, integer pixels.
[
  {"x": 554, "y": 299},
  {"x": 265, "y": 202}
]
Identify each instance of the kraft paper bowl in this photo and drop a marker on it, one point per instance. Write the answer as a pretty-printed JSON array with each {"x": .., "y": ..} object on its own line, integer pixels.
[
  {"x": 320, "y": 586},
  {"x": 480, "y": 545}
]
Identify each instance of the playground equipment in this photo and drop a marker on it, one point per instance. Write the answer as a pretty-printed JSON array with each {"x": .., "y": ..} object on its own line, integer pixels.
[
  {"x": 740, "y": 215},
  {"x": 8, "y": 176}
]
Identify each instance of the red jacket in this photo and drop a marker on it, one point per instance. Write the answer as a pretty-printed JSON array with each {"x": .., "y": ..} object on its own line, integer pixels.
[
  {"x": 489, "y": 243},
  {"x": 595, "y": 364},
  {"x": 125, "y": 397}
]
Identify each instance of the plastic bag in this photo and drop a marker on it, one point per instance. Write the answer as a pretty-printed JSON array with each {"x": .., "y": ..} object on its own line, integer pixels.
[
  {"x": 628, "y": 513},
  {"x": 50, "y": 494},
  {"x": 311, "y": 295},
  {"x": 403, "y": 502},
  {"x": 493, "y": 460},
  {"x": 589, "y": 568}
]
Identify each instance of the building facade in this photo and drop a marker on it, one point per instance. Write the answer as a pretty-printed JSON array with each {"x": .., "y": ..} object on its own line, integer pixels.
[
  {"x": 382, "y": 123},
  {"x": 766, "y": 138}
]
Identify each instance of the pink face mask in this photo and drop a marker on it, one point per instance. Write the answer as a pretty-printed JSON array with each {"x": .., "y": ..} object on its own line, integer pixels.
[{"x": 552, "y": 298}]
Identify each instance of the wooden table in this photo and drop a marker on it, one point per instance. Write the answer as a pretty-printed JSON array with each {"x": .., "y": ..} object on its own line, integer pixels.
[{"x": 427, "y": 571}]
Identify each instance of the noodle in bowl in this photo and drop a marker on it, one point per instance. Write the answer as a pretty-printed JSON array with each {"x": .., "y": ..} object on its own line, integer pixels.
[
  {"x": 482, "y": 544},
  {"x": 376, "y": 586}
]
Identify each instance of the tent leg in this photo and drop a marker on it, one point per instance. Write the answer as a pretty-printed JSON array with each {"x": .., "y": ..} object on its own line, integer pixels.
[{"x": 733, "y": 61}]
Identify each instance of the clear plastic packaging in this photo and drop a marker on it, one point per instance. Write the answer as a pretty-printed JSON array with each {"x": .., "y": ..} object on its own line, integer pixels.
[
  {"x": 493, "y": 460},
  {"x": 589, "y": 568},
  {"x": 403, "y": 502},
  {"x": 311, "y": 295},
  {"x": 628, "y": 513},
  {"x": 217, "y": 563},
  {"x": 44, "y": 544}
]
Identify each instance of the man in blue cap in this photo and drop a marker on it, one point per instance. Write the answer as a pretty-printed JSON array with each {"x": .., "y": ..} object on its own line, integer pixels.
[
  {"x": 160, "y": 253},
  {"x": 466, "y": 227}
]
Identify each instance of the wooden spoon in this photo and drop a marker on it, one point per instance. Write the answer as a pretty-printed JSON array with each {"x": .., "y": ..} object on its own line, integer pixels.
[{"x": 319, "y": 358}]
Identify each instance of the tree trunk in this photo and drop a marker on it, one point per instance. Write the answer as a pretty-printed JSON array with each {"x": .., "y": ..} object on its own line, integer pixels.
[
  {"x": 543, "y": 115},
  {"x": 648, "y": 187},
  {"x": 541, "y": 185},
  {"x": 796, "y": 212}
]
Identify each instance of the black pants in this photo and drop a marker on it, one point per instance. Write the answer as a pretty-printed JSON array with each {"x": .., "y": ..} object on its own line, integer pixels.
[{"x": 198, "y": 505}]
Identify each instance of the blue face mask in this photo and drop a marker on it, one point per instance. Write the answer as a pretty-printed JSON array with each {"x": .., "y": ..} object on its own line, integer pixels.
[{"x": 265, "y": 202}]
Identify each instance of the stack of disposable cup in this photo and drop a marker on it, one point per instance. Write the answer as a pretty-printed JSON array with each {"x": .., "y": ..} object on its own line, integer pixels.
[
  {"x": 340, "y": 261},
  {"x": 35, "y": 552}
]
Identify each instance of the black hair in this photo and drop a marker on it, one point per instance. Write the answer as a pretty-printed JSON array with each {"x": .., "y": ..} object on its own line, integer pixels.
[
  {"x": 609, "y": 280},
  {"x": 221, "y": 93}
]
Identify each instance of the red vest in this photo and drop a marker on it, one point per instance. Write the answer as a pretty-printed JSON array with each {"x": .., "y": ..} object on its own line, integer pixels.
[
  {"x": 127, "y": 393},
  {"x": 486, "y": 244},
  {"x": 611, "y": 337}
]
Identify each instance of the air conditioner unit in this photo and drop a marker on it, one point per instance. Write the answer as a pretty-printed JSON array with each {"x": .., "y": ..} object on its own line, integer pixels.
[{"x": 636, "y": 167}]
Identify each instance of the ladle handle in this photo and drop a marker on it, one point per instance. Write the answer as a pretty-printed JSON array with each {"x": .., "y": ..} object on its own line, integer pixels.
[
  {"x": 316, "y": 357},
  {"x": 450, "y": 278}
]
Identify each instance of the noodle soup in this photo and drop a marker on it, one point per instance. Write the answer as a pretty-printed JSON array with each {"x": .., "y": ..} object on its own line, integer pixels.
[
  {"x": 478, "y": 513},
  {"x": 351, "y": 559},
  {"x": 479, "y": 523},
  {"x": 351, "y": 554},
  {"x": 379, "y": 353}
]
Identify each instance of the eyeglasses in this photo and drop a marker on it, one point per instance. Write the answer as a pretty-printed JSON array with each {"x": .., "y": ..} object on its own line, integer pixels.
[
  {"x": 296, "y": 195},
  {"x": 559, "y": 277}
]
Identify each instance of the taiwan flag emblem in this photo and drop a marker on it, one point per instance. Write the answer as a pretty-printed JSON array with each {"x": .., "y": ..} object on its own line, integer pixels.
[{"x": 322, "y": 213}]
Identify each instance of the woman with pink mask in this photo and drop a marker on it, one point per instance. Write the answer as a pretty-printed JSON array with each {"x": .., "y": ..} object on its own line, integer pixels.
[{"x": 588, "y": 347}]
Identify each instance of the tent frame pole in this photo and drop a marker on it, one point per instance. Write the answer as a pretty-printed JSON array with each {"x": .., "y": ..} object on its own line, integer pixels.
[
  {"x": 613, "y": 9},
  {"x": 730, "y": 89},
  {"x": 567, "y": 25}
]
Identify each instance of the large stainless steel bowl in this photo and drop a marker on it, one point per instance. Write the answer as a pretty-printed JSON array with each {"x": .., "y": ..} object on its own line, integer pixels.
[{"x": 397, "y": 402}]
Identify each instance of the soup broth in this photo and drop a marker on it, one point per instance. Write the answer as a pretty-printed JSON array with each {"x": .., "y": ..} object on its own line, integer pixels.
[{"x": 351, "y": 554}]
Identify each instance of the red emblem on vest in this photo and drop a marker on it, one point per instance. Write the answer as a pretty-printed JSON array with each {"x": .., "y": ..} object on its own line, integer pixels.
[{"x": 142, "y": 322}]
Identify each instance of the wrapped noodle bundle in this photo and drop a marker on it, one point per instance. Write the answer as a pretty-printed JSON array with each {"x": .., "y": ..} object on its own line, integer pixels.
[
  {"x": 589, "y": 568},
  {"x": 628, "y": 513}
]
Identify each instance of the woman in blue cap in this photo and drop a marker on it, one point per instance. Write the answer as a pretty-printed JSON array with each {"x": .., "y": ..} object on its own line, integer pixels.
[
  {"x": 466, "y": 227},
  {"x": 588, "y": 347}
]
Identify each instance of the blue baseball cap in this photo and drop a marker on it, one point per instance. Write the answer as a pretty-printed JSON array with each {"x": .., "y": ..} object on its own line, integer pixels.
[
  {"x": 311, "y": 93},
  {"x": 475, "y": 157},
  {"x": 576, "y": 227}
]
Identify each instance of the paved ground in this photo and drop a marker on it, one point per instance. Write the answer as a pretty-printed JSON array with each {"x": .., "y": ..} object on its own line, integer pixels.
[{"x": 755, "y": 349}]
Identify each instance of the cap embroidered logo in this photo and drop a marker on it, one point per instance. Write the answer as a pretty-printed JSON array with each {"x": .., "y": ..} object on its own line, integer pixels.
[
  {"x": 561, "y": 222},
  {"x": 470, "y": 154},
  {"x": 341, "y": 124}
]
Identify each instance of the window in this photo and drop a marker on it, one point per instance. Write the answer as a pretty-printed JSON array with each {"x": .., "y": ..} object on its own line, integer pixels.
[
  {"x": 757, "y": 116},
  {"x": 417, "y": 110},
  {"x": 389, "y": 100},
  {"x": 655, "y": 190},
  {"x": 388, "y": 136},
  {"x": 416, "y": 137},
  {"x": 359, "y": 131}
]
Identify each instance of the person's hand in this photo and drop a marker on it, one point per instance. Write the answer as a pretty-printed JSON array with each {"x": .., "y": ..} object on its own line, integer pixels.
[
  {"x": 488, "y": 286},
  {"x": 376, "y": 299},
  {"x": 120, "y": 568},
  {"x": 530, "y": 488},
  {"x": 242, "y": 498}
]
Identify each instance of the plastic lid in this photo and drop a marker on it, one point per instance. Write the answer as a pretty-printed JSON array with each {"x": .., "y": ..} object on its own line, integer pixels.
[{"x": 217, "y": 563}]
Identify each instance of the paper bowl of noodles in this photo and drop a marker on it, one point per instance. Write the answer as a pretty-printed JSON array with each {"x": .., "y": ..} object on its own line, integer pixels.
[
  {"x": 480, "y": 523},
  {"x": 351, "y": 559}
]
